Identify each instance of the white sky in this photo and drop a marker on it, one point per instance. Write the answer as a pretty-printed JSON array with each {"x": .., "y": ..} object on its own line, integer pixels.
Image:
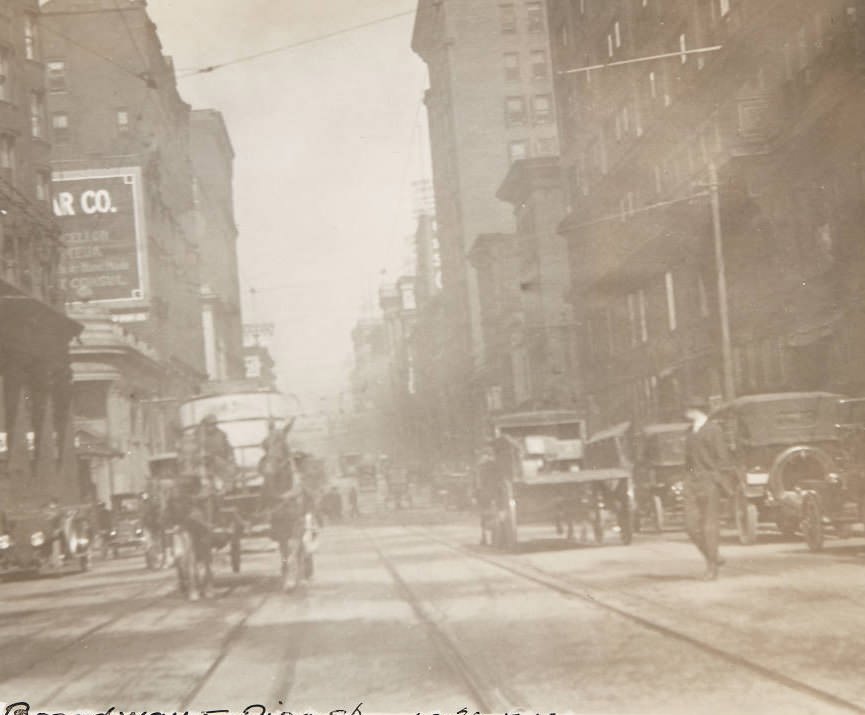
[{"x": 328, "y": 140}]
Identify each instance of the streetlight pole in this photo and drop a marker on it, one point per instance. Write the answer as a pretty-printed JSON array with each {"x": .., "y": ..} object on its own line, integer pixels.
[{"x": 723, "y": 307}]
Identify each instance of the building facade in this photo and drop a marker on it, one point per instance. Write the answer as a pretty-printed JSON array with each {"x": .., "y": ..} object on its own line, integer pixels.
[
  {"x": 489, "y": 103},
  {"x": 120, "y": 419},
  {"x": 543, "y": 352},
  {"x": 36, "y": 440},
  {"x": 213, "y": 165},
  {"x": 769, "y": 101},
  {"x": 123, "y": 176}
]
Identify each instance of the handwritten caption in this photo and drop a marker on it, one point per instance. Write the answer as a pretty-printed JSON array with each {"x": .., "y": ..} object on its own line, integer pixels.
[{"x": 23, "y": 708}]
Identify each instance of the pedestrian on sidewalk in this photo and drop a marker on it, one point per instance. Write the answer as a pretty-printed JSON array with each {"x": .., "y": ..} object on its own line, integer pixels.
[{"x": 709, "y": 468}]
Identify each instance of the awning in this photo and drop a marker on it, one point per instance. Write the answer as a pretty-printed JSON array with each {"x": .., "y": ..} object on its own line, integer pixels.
[{"x": 30, "y": 326}]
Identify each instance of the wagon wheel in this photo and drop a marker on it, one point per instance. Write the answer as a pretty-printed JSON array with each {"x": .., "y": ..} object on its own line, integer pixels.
[
  {"x": 746, "y": 518},
  {"x": 291, "y": 566},
  {"x": 812, "y": 522},
  {"x": 203, "y": 576},
  {"x": 598, "y": 517},
  {"x": 182, "y": 548},
  {"x": 658, "y": 513},
  {"x": 511, "y": 536},
  {"x": 235, "y": 548}
]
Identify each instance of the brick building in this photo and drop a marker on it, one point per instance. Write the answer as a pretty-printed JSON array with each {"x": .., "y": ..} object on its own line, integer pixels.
[
  {"x": 774, "y": 109},
  {"x": 212, "y": 162},
  {"x": 123, "y": 177},
  {"x": 489, "y": 102},
  {"x": 36, "y": 441}
]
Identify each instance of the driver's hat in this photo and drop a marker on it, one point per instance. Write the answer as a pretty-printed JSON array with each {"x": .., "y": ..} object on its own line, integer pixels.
[{"x": 209, "y": 419}]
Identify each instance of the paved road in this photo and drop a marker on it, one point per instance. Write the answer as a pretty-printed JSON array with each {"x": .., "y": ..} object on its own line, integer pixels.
[{"x": 409, "y": 614}]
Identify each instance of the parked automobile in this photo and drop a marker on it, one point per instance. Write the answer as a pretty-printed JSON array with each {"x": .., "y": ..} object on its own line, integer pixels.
[
  {"x": 659, "y": 473},
  {"x": 52, "y": 538},
  {"x": 127, "y": 524},
  {"x": 790, "y": 465}
]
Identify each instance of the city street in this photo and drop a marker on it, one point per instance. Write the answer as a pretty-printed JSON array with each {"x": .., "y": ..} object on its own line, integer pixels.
[{"x": 407, "y": 613}]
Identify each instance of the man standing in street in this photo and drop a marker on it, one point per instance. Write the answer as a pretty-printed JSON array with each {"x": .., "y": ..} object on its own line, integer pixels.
[{"x": 709, "y": 468}]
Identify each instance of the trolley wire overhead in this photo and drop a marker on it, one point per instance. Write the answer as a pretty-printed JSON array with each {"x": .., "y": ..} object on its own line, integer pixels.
[{"x": 207, "y": 69}]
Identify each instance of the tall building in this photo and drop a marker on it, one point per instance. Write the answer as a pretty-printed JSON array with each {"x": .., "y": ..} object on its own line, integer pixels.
[
  {"x": 212, "y": 162},
  {"x": 36, "y": 441},
  {"x": 123, "y": 177},
  {"x": 540, "y": 336},
  {"x": 489, "y": 103},
  {"x": 767, "y": 91}
]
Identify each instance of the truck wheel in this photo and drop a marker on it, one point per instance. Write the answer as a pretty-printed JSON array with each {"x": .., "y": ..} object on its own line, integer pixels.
[
  {"x": 746, "y": 519},
  {"x": 812, "y": 522}
]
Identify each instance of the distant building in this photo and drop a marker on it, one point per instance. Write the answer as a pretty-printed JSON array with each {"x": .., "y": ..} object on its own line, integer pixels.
[
  {"x": 36, "y": 440},
  {"x": 490, "y": 102},
  {"x": 259, "y": 366},
  {"x": 212, "y": 162}
]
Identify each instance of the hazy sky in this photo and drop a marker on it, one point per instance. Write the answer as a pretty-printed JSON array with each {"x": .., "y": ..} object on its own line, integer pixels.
[{"x": 328, "y": 140}]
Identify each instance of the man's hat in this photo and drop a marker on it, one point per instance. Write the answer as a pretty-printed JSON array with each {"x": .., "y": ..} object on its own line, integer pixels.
[
  {"x": 695, "y": 402},
  {"x": 210, "y": 419}
]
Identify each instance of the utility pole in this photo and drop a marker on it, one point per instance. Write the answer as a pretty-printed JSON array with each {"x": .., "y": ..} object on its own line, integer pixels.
[{"x": 723, "y": 308}]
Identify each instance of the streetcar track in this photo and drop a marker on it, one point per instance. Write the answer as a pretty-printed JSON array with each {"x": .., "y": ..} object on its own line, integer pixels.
[
  {"x": 167, "y": 592},
  {"x": 228, "y": 640},
  {"x": 489, "y": 696},
  {"x": 79, "y": 638},
  {"x": 586, "y": 594}
]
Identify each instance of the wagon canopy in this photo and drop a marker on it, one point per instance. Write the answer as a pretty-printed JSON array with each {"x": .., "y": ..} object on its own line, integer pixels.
[
  {"x": 559, "y": 424},
  {"x": 785, "y": 418}
]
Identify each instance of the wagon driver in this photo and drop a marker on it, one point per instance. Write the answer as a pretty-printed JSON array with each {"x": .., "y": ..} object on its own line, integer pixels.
[{"x": 709, "y": 468}]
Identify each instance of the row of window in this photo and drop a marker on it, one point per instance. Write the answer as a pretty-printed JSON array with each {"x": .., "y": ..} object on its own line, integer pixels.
[
  {"x": 522, "y": 148},
  {"x": 534, "y": 17},
  {"x": 516, "y": 110},
  {"x": 538, "y": 65},
  {"x": 630, "y": 324}
]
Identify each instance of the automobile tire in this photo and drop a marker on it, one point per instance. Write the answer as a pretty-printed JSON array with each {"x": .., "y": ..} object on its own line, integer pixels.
[
  {"x": 658, "y": 513},
  {"x": 812, "y": 522},
  {"x": 746, "y": 518}
]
